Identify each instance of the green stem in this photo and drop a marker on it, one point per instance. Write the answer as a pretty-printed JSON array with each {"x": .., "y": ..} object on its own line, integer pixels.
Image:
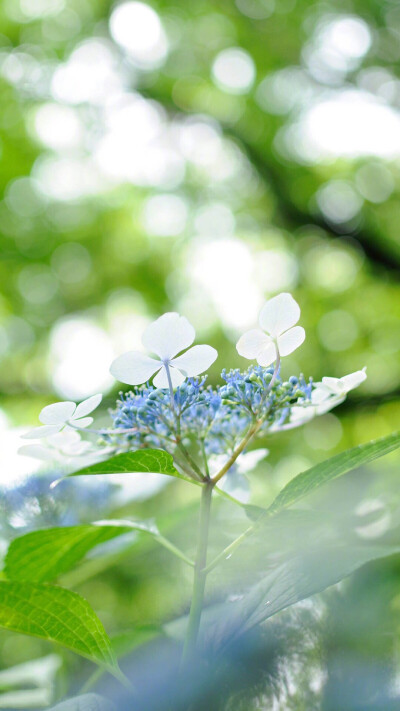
[
  {"x": 170, "y": 387},
  {"x": 229, "y": 549},
  {"x": 196, "y": 470},
  {"x": 200, "y": 576},
  {"x": 92, "y": 680},
  {"x": 252, "y": 431},
  {"x": 274, "y": 377},
  {"x": 205, "y": 460},
  {"x": 173, "y": 549},
  {"x": 186, "y": 469},
  {"x": 239, "y": 449}
]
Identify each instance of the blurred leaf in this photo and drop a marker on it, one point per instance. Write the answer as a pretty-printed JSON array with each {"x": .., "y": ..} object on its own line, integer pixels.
[
  {"x": 253, "y": 512},
  {"x": 41, "y": 556},
  {"x": 57, "y": 615},
  {"x": 151, "y": 461},
  {"x": 44, "y": 555},
  {"x": 330, "y": 469},
  {"x": 87, "y": 702},
  {"x": 301, "y": 577}
]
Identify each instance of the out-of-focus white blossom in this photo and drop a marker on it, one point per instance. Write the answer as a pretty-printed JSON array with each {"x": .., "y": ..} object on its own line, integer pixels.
[
  {"x": 61, "y": 414},
  {"x": 58, "y": 447}
]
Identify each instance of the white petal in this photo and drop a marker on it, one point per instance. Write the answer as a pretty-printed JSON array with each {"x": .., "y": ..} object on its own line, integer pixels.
[
  {"x": 251, "y": 343},
  {"x": 39, "y": 432},
  {"x": 37, "y": 451},
  {"x": 58, "y": 413},
  {"x": 267, "y": 354},
  {"x": 301, "y": 414},
  {"x": 75, "y": 450},
  {"x": 329, "y": 404},
  {"x": 320, "y": 394},
  {"x": 196, "y": 360},
  {"x": 298, "y": 416},
  {"x": 292, "y": 339},
  {"x": 279, "y": 314},
  {"x": 83, "y": 422},
  {"x": 353, "y": 380},
  {"x": 65, "y": 438},
  {"x": 169, "y": 335},
  {"x": 87, "y": 406},
  {"x": 334, "y": 385},
  {"x": 161, "y": 380},
  {"x": 134, "y": 368}
]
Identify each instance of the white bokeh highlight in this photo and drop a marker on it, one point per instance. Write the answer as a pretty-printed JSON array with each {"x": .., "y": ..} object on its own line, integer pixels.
[
  {"x": 234, "y": 70},
  {"x": 137, "y": 28}
]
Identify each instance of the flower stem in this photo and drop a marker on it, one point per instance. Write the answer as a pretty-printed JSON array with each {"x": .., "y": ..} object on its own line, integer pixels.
[
  {"x": 200, "y": 576},
  {"x": 170, "y": 387},
  {"x": 103, "y": 432},
  {"x": 274, "y": 376},
  {"x": 229, "y": 549},
  {"x": 239, "y": 449},
  {"x": 173, "y": 549},
  {"x": 195, "y": 469},
  {"x": 205, "y": 460},
  {"x": 252, "y": 431}
]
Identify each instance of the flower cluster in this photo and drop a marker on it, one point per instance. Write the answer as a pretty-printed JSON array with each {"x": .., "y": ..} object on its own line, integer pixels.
[
  {"x": 179, "y": 411},
  {"x": 217, "y": 417}
]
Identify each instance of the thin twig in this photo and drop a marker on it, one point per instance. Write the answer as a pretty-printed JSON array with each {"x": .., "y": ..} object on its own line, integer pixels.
[{"x": 252, "y": 431}]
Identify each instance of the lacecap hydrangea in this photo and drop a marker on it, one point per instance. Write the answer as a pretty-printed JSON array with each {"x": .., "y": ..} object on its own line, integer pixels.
[{"x": 171, "y": 406}]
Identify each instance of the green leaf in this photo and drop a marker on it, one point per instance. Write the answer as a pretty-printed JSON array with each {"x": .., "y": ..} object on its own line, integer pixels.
[
  {"x": 87, "y": 702},
  {"x": 42, "y": 556},
  {"x": 254, "y": 512},
  {"x": 151, "y": 461},
  {"x": 57, "y": 615},
  {"x": 330, "y": 469}
]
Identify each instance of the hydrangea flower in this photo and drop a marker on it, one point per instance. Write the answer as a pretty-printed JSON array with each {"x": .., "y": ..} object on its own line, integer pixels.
[
  {"x": 166, "y": 337},
  {"x": 279, "y": 335},
  {"x": 61, "y": 414},
  {"x": 59, "y": 446},
  {"x": 217, "y": 417},
  {"x": 325, "y": 395},
  {"x": 340, "y": 386},
  {"x": 199, "y": 424}
]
